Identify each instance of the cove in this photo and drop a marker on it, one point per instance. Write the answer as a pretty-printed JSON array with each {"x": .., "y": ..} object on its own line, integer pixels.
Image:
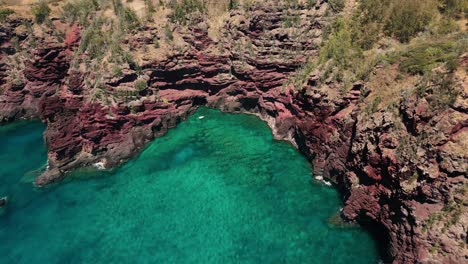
[{"x": 216, "y": 189}]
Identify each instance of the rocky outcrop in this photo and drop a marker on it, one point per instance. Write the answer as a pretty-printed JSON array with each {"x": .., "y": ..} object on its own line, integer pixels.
[
  {"x": 32, "y": 74},
  {"x": 397, "y": 171},
  {"x": 399, "y": 180}
]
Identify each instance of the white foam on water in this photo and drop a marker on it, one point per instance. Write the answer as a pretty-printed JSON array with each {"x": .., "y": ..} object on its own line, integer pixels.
[
  {"x": 321, "y": 179},
  {"x": 99, "y": 165},
  {"x": 201, "y": 117}
]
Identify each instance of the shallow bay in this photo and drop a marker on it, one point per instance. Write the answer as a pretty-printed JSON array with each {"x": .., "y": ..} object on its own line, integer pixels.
[{"x": 215, "y": 189}]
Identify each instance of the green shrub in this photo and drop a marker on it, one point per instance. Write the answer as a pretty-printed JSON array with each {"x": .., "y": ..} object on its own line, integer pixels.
[
  {"x": 407, "y": 18},
  {"x": 364, "y": 65},
  {"x": 369, "y": 22},
  {"x": 373, "y": 10},
  {"x": 4, "y": 13},
  {"x": 95, "y": 41},
  {"x": 183, "y": 9},
  {"x": 444, "y": 26},
  {"x": 301, "y": 75},
  {"x": 233, "y": 4},
  {"x": 168, "y": 33},
  {"x": 375, "y": 104},
  {"x": 128, "y": 18},
  {"x": 80, "y": 10},
  {"x": 116, "y": 70},
  {"x": 452, "y": 64},
  {"x": 117, "y": 6},
  {"x": 149, "y": 8},
  {"x": 291, "y": 20},
  {"x": 401, "y": 19},
  {"x": 424, "y": 57},
  {"x": 339, "y": 46},
  {"x": 336, "y": 5},
  {"x": 292, "y": 3},
  {"x": 41, "y": 11},
  {"x": 141, "y": 85},
  {"x": 454, "y": 8},
  {"x": 439, "y": 90}
]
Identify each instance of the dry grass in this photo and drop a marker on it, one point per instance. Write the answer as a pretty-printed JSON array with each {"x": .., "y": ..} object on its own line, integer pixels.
[
  {"x": 138, "y": 6},
  {"x": 388, "y": 84},
  {"x": 18, "y": 2},
  {"x": 458, "y": 144},
  {"x": 216, "y": 19},
  {"x": 350, "y": 7},
  {"x": 23, "y": 7}
]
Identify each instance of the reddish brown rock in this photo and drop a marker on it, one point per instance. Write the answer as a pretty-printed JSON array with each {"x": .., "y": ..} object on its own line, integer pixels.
[{"x": 392, "y": 179}]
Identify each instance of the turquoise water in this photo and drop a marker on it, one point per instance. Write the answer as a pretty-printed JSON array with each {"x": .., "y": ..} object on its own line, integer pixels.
[{"x": 213, "y": 190}]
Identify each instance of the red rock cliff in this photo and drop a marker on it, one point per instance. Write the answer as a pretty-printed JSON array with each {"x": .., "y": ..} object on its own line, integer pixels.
[{"x": 363, "y": 154}]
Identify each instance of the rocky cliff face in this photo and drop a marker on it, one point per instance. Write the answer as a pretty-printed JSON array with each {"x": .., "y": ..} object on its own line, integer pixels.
[{"x": 402, "y": 173}]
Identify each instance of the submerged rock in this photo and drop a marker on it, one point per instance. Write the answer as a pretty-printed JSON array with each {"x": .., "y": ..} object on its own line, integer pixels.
[{"x": 3, "y": 201}]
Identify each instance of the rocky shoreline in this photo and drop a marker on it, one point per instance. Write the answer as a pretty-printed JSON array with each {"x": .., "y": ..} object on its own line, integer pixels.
[{"x": 389, "y": 192}]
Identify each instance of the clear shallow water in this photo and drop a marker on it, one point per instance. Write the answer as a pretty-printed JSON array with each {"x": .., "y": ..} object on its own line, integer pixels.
[{"x": 213, "y": 190}]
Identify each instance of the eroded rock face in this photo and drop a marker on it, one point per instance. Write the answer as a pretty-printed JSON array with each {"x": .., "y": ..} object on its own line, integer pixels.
[
  {"x": 393, "y": 178},
  {"x": 402, "y": 178},
  {"x": 24, "y": 81}
]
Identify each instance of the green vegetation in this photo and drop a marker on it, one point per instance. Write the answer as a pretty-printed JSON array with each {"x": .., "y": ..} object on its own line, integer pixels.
[
  {"x": 128, "y": 19},
  {"x": 79, "y": 10},
  {"x": 413, "y": 178},
  {"x": 183, "y": 9},
  {"x": 441, "y": 90},
  {"x": 291, "y": 20},
  {"x": 292, "y": 3},
  {"x": 400, "y": 19},
  {"x": 156, "y": 43},
  {"x": 407, "y": 148},
  {"x": 339, "y": 46},
  {"x": 454, "y": 8},
  {"x": 126, "y": 16},
  {"x": 102, "y": 36},
  {"x": 117, "y": 71},
  {"x": 341, "y": 58},
  {"x": 299, "y": 79},
  {"x": 407, "y": 18},
  {"x": 348, "y": 52},
  {"x": 374, "y": 106},
  {"x": 233, "y": 4},
  {"x": 141, "y": 85},
  {"x": 336, "y": 5},
  {"x": 41, "y": 12},
  {"x": 94, "y": 41},
  {"x": 150, "y": 9},
  {"x": 451, "y": 214},
  {"x": 168, "y": 33},
  {"x": 424, "y": 56},
  {"x": 353, "y": 43},
  {"x": 4, "y": 13},
  {"x": 435, "y": 248}
]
